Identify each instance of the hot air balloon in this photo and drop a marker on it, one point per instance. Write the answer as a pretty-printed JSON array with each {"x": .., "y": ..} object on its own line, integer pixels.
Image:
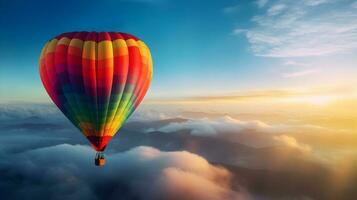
[{"x": 97, "y": 80}]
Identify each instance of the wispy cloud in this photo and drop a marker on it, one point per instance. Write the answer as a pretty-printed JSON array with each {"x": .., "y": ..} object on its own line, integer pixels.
[
  {"x": 206, "y": 126},
  {"x": 276, "y": 9},
  {"x": 315, "y": 2},
  {"x": 300, "y": 73},
  {"x": 261, "y": 3},
  {"x": 354, "y": 5},
  {"x": 295, "y": 63},
  {"x": 308, "y": 28},
  {"x": 231, "y": 9},
  {"x": 236, "y": 96},
  {"x": 227, "y": 124},
  {"x": 239, "y": 31},
  {"x": 347, "y": 91}
]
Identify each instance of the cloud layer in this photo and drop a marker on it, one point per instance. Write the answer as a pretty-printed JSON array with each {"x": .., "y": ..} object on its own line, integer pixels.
[
  {"x": 227, "y": 124},
  {"x": 172, "y": 158},
  {"x": 207, "y": 126},
  {"x": 67, "y": 172}
]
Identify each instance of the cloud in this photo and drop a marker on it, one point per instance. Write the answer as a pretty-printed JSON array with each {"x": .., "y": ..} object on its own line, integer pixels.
[
  {"x": 213, "y": 126},
  {"x": 173, "y": 106},
  {"x": 302, "y": 69},
  {"x": 354, "y": 4},
  {"x": 264, "y": 158},
  {"x": 300, "y": 73},
  {"x": 315, "y": 2},
  {"x": 276, "y": 9},
  {"x": 292, "y": 142},
  {"x": 24, "y": 111},
  {"x": 67, "y": 172},
  {"x": 174, "y": 182},
  {"x": 239, "y": 31},
  {"x": 300, "y": 29},
  {"x": 261, "y": 3},
  {"x": 294, "y": 63},
  {"x": 237, "y": 96},
  {"x": 227, "y": 124},
  {"x": 151, "y": 115},
  {"x": 231, "y": 9}
]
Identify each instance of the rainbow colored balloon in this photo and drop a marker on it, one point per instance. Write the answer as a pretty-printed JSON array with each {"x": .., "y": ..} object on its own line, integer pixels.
[{"x": 97, "y": 79}]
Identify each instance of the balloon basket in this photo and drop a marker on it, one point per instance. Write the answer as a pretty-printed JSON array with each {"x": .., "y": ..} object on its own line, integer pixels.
[{"x": 99, "y": 159}]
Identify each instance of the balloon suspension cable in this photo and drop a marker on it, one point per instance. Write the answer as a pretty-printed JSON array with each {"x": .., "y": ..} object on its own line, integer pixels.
[{"x": 99, "y": 159}]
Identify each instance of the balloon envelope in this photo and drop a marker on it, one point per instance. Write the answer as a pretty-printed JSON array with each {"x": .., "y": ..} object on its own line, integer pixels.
[{"x": 97, "y": 79}]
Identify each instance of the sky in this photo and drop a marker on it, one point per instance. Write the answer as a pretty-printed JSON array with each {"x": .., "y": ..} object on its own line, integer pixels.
[
  {"x": 249, "y": 100},
  {"x": 210, "y": 49}
]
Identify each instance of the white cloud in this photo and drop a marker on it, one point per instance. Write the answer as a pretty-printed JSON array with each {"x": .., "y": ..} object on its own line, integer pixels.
[
  {"x": 227, "y": 124},
  {"x": 181, "y": 184},
  {"x": 239, "y": 31},
  {"x": 214, "y": 126},
  {"x": 315, "y": 2},
  {"x": 143, "y": 114},
  {"x": 24, "y": 110},
  {"x": 276, "y": 9},
  {"x": 312, "y": 28},
  {"x": 300, "y": 73},
  {"x": 68, "y": 172},
  {"x": 292, "y": 142},
  {"x": 294, "y": 63}
]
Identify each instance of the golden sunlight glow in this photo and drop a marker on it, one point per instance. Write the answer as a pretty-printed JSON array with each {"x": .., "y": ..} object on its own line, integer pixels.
[
  {"x": 332, "y": 107},
  {"x": 321, "y": 100}
]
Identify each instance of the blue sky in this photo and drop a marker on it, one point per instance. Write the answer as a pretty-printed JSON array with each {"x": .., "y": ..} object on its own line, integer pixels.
[{"x": 198, "y": 48}]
